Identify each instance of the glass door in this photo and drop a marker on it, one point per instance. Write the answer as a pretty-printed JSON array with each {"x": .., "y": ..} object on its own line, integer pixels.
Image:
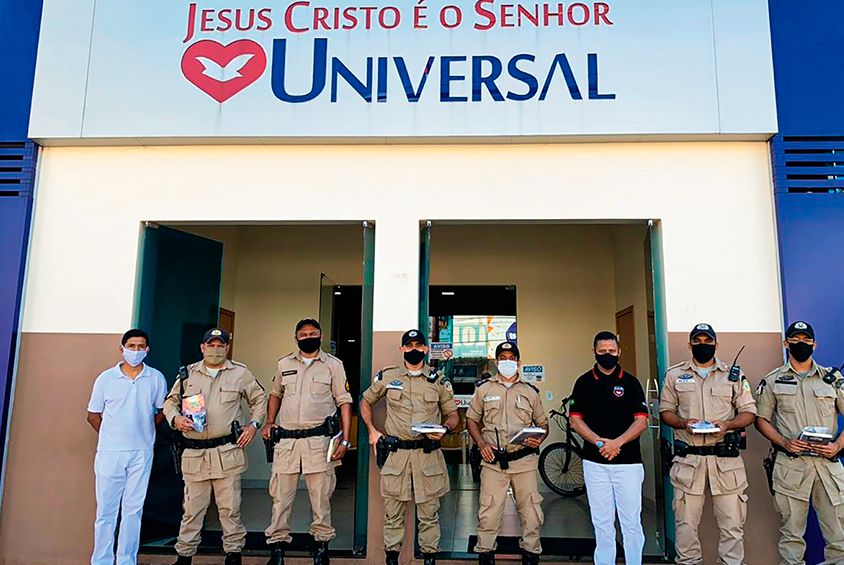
[
  {"x": 178, "y": 300},
  {"x": 660, "y": 434},
  {"x": 327, "y": 288}
]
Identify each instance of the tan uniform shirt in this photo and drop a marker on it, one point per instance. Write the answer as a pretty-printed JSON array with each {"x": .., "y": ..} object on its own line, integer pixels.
[
  {"x": 309, "y": 394},
  {"x": 690, "y": 396},
  {"x": 507, "y": 411},
  {"x": 223, "y": 395},
  {"x": 413, "y": 400},
  {"x": 798, "y": 402}
]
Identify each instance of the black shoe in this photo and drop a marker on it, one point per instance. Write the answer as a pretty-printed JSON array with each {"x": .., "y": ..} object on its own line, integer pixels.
[
  {"x": 321, "y": 553},
  {"x": 276, "y": 554},
  {"x": 184, "y": 560},
  {"x": 486, "y": 558},
  {"x": 529, "y": 558},
  {"x": 392, "y": 557},
  {"x": 233, "y": 559},
  {"x": 430, "y": 559}
]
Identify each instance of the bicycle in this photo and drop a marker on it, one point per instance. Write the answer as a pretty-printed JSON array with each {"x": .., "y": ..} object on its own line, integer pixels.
[{"x": 561, "y": 463}]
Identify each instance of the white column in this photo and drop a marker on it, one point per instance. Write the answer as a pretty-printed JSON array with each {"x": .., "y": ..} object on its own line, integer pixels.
[{"x": 396, "y": 301}]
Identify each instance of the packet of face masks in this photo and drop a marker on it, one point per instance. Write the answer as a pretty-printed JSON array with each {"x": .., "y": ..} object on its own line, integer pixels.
[{"x": 193, "y": 407}]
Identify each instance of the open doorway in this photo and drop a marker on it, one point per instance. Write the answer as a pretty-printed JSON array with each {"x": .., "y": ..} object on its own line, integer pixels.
[
  {"x": 550, "y": 287},
  {"x": 266, "y": 277}
]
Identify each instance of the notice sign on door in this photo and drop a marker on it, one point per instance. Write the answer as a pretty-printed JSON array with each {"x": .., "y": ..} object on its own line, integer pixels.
[
  {"x": 441, "y": 350},
  {"x": 533, "y": 373}
]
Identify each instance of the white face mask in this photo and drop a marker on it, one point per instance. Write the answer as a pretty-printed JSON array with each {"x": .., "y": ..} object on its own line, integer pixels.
[
  {"x": 508, "y": 368},
  {"x": 134, "y": 358}
]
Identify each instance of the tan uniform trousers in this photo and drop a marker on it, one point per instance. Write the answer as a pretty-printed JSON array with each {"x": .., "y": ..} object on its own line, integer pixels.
[
  {"x": 428, "y": 514},
  {"x": 493, "y": 496},
  {"x": 196, "y": 501},
  {"x": 730, "y": 513},
  {"x": 794, "y": 514},
  {"x": 283, "y": 489}
]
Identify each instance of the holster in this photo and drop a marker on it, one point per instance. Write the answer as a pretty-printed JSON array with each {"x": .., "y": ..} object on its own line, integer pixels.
[
  {"x": 768, "y": 465},
  {"x": 383, "y": 447},
  {"x": 177, "y": 447},
  {"x": 269, "y": 447},
  {"x": 475, "y": 459}
]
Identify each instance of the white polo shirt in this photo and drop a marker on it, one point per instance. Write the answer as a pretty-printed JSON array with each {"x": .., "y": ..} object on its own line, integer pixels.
[{"x": 128, "y": 407}]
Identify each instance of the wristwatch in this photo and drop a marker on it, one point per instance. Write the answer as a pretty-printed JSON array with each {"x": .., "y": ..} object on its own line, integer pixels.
[
  {"x": 256, "y": 424},
  {"x": 346, "y": 444}
]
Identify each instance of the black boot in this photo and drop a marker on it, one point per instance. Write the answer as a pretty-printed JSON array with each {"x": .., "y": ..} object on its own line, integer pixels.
[
  {"x": 184, "y": 560},
  {"x": 233, "y": 559},
  {"x": 430, "y": 559},
  {"x": 486, "y": 558},
  {"x": 529, "y": 558},
  {"x": 392, "y": 557},
  {"x": 321, "y": 553},
  {"x": 276, "y": 554}
]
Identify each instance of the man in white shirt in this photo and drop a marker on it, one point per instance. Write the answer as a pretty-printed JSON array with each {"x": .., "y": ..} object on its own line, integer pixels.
[{"x": 124, "y": 409}]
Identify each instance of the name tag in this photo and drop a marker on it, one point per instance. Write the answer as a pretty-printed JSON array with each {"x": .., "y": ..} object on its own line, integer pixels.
[
  {"x": 286, "y": 373},
  {"x": 491, "y": 398}
]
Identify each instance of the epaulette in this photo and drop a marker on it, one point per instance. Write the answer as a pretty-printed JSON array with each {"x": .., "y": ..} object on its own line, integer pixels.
[
  {"x": 677, "y": 366},
  {"x": 239, "y": 364},
  {"x": 330, "y": 356},
  {"x": 772, "y": 373},
  {"x": 292, "y": 353},
  {"x": 260, "y": 385},
  {"x": 481, "y": 382},
  {"x": 534, "y": 387}
]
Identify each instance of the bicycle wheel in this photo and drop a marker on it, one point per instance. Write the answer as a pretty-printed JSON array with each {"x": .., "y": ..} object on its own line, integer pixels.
[{"x": 561, "y": 468}]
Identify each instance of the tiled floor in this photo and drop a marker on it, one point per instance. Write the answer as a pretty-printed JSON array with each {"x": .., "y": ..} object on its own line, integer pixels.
[{"x": 564, "y": 517}]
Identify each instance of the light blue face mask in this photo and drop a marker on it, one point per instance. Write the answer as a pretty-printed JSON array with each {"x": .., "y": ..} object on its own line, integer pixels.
[
  {"x": 508, "y": 368},
  {"x": 134, "y": 358}
]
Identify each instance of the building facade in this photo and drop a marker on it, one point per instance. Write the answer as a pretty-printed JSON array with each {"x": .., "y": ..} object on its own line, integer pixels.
[{"x": 483, "y": 171}]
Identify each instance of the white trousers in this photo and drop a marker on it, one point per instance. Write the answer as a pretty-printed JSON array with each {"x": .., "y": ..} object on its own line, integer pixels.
[
  {"x": 611, "y": 489},
  {"x": 122, "y": 478}
]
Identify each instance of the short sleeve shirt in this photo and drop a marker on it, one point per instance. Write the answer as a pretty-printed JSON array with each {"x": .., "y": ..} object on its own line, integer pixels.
[
  {"x": 128, "y": 407},
  {"x": 309, "y": 393},
  {"x": 609, "y": 404}
]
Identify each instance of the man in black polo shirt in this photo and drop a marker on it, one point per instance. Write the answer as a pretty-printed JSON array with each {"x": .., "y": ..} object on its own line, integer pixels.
[{"x": 609, "y": 411}]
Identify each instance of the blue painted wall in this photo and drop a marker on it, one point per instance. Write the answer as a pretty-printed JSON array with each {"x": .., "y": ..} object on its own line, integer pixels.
[
  {"x": 20, "y": 22},
  {"x": 808, "y": 49}
]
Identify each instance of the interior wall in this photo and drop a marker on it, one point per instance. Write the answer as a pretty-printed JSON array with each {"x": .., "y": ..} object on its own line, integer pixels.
[
  {"x": 631, "y": 289},
  {"x": 271, "y": 280},
  {"x": 564, "y": 286}
]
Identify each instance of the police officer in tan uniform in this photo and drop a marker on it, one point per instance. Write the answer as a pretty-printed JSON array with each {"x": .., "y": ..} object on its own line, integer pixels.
[
  {"x": 213, "y": 459},
  {"x": 504, "y": 405},
  {"x": 416, "y": 394},
  {"x": 308, "y": 388},
  {"x": 694, "y": 391},
  {"x": 802, "y": 393}
]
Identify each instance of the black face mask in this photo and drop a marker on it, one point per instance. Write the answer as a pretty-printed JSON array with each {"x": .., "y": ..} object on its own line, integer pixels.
[
  {"x": 607, "y": 361},
  {"x": 414, "y": 356},
  {"x": 703, "y": 352},
  {"x": 800, "y": 351},
  {"x": 309, "y": 344}
]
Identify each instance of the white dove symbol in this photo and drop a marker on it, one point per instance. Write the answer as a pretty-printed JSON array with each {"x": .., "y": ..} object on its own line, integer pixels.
[{"x": 218, "y": 73}]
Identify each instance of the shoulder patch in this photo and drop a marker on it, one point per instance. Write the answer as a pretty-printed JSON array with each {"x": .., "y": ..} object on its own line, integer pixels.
[
  {"x": 291, "y": 372},
  {"x": 839, "y": 384},
  {"x": 745, "y": 385},
  {"x": 447, "y": 385}
]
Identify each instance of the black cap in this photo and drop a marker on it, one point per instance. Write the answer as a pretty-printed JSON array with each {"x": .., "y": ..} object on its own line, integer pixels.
[
  {"x": 705, "y": 329},
  {"x": 215, "y": 333},
  {"x": 800, "y": 328},
  {"x": 413, "y": 335},
  {"x": 307, "y": 322},
  {"x": 508, "y": 346}
]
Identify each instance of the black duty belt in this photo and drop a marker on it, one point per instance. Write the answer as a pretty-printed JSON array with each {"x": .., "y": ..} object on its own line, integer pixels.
[
  {"x": 209, "y": 443},
  {"x": 329, "y": 428},
  {"x": 423, "y": 443},
  {"x": 791, "y": 455},
  {"x": 521, "y": 454},
  {"x": 717, "y": 450}
]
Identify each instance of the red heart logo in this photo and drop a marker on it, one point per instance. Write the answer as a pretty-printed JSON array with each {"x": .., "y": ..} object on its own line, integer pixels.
[{"x": 221, "y": 71}]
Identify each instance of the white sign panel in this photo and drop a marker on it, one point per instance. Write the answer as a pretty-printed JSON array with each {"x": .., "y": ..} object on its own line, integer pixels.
[
  {"x": 533, "y": 373},
  {"x": 299, "y": 68}
]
